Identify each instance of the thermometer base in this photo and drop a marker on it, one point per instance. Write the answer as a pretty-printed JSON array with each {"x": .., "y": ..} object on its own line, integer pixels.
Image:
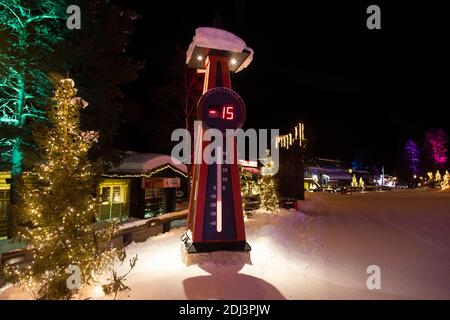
[{"x": 210, "y": 246}]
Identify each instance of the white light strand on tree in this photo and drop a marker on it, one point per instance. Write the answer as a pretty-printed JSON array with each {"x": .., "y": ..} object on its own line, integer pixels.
[{"x": 57, "y": 211}]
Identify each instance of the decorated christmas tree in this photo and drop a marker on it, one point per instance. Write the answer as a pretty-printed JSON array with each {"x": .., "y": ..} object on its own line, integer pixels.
[
  {"x": 269, "y": 198},
  {"x": 56, "y": 214},
  {"x": 445, "y": 181},
  {"x": 354, "y": 181},
  {"x": 361, "y": 183},
  {"x": 249, "y": 185},
  {"x": 437, "y": 176},
  {"x": 249, "y": 189}
]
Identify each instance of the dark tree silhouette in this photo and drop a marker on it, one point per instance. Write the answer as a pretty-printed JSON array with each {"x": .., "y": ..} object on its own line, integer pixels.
[{"x": 96, "y": 57}]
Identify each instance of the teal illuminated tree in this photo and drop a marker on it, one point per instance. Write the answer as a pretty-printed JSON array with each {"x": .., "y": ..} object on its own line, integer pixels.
[
  {"x": 29, "y": 30},
  {"x": 32, "y": 49}
]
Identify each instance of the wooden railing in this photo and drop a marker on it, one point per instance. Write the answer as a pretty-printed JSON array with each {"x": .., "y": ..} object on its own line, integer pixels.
[
  {"x": 130, "y": 230},
  {"x": 140, "y": 230}
]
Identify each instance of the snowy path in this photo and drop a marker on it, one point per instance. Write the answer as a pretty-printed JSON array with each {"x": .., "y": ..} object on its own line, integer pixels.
[
  {"x": 320, "y": 255},
  {"x": 406, "y": 233}
]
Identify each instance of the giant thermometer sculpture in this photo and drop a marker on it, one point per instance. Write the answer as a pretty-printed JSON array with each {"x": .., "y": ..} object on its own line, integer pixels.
[{"x": 215, "y": 220}]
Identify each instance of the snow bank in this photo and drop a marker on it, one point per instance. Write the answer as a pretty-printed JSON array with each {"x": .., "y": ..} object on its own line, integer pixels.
[
  {"x": 165, "y": 272},
  {"x": 133, "y": 224}
]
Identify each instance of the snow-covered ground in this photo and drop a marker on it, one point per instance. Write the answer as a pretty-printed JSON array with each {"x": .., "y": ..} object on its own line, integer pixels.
[{"x": 321, "y": 254}]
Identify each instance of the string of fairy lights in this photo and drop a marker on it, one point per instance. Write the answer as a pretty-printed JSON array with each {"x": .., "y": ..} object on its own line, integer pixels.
[
  {"x": 146, "y": 175},
  {"x": 58, "y": 208},
  {"x": 297, "y": 136}
]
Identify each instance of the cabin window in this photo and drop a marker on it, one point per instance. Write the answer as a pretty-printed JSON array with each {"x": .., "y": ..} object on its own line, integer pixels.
[
  {"x": 154, "y": 202},
  {"x": 4, "y": 204},
  {"x": 106, "y": 194},
  {"x": 116, "y": 195},
  {"x": 113, "y": 204},
  {"x": 151, "y": 193}
]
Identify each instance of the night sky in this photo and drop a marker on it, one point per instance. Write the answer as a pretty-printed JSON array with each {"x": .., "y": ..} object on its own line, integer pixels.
[{"x": 361, "y": 93}]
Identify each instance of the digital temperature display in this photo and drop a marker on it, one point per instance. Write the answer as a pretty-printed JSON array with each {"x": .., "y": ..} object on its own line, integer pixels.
[
  {"x": 221, "y": 108},
  {"x": 224, "y": 112}
]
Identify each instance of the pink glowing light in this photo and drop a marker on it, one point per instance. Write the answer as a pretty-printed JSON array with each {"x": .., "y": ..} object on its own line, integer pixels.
[{"x": 437, "y": 140}]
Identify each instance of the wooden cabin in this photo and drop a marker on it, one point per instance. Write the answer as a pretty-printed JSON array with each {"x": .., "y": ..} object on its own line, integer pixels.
[{"x": 145, "y": 185}]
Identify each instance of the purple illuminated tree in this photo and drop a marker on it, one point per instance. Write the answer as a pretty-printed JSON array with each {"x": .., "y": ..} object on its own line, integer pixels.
[
  {"x": 437, "y": 142},
  {"x": 412, "y": 156}
]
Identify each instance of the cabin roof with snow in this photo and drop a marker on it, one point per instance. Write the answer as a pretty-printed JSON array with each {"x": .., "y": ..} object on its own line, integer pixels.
[{"x": 147, "y": 163}]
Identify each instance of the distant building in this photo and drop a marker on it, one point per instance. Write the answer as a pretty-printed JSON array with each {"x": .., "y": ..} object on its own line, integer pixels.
[{"x": 321, "y": 173}]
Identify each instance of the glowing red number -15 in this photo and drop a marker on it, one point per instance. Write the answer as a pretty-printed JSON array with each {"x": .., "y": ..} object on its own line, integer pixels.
[{"x": 228, "y": 113}]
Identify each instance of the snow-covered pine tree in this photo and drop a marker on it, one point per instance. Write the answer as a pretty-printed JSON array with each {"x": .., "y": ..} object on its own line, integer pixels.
[
  {"x": 56, "y": 214},
  {"x": 268, "y": 194}
]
